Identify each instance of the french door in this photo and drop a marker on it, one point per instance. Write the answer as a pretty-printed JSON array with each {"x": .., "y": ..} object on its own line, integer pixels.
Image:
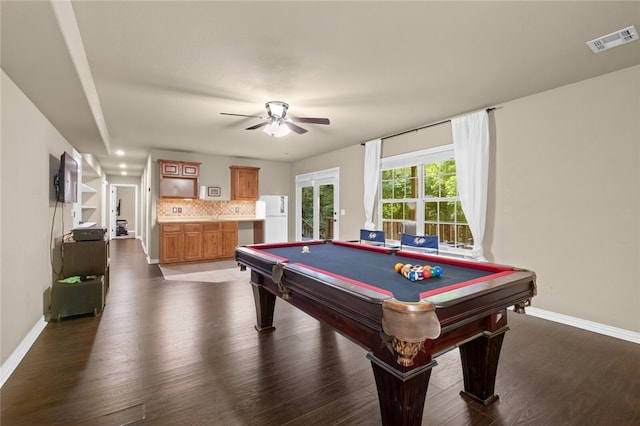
[{"x": 317, "y": 205}]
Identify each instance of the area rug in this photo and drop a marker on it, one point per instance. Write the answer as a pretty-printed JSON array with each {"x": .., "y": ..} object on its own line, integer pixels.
[{"x": 214, "y": 272}]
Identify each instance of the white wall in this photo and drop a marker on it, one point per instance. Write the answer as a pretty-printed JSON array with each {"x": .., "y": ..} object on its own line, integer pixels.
[
  {"x": 566, "y": 196},
  {"x": 28, "y": 143},
  {"x": 126, "y": 196}
]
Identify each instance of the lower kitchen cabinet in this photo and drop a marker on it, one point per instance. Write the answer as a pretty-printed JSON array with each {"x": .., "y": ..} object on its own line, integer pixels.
[
  {"x": 171, "y": 243},
  {"x": 192, "y": 242},
  {"x": 229, "y": 232},
  {"x": 211, "y": 240}
]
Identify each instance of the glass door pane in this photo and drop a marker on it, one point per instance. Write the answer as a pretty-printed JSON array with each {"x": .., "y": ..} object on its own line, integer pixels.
[
  {"x": 326, "y": 212},
  {"x": 317, "y": 208},
  {"x": 307, "y": 212}
]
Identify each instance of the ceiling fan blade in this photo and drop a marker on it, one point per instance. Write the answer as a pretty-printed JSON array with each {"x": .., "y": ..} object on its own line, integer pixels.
[
  {"x": 309, "y": 120},
  {"x": 241, "y": 115},
  {"x": 299, "y": 130},
  {"x": 257, "y": 126}
]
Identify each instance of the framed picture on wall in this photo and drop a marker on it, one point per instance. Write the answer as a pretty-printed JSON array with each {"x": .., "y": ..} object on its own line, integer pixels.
[{"x": 213, "y": 191}]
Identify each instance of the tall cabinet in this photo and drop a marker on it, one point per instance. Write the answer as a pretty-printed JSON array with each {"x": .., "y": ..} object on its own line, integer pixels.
[{"x": 244, "y": 183}]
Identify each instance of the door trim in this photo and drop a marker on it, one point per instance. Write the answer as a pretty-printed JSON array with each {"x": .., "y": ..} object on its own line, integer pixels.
[
  {"x": 317, "y": 178},
  {"x": 112, "y": 208}
]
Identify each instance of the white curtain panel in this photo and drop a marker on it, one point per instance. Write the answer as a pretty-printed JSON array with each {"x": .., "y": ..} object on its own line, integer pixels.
[
  {"x": 471, "y": 153},
  {"x": 371, "y": 176}
]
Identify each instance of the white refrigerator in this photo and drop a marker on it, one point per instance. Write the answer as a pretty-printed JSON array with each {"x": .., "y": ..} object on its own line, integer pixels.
[{"x": 276, "y": 225}]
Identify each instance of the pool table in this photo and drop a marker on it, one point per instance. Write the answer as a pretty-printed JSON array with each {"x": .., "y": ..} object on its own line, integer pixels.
[{"x": 403, "y": 324}]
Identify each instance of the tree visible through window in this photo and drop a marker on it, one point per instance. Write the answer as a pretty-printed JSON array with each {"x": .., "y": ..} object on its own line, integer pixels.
[
  {"x": 423, "y": 199},
  {"x": 326, "y": 213},
  {"x": 399, "y": 199},
  {"x": 443, "y": 213}
]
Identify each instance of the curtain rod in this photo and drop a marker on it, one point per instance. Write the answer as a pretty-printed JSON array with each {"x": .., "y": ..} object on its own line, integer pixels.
[{"x": 423, "y": 127}]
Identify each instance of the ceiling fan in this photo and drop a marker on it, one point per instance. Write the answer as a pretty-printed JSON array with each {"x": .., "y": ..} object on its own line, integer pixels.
[{"x": 277, "y": 123}]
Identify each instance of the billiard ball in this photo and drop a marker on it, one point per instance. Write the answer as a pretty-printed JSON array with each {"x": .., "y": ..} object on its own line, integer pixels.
[{"x": 305, "y": 249}]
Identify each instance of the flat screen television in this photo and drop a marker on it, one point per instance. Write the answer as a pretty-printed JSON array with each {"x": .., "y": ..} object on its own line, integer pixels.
[{"x": 66, "y": 181}]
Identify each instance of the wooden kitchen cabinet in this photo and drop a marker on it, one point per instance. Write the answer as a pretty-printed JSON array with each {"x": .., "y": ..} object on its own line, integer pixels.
[
  {"x": 190, "y": 169},
  {"x": 211, "y": 240},
  {"x": 169, "y": 168},
  {"x": 220, "y": 240},
  {"x": 179, "y": 179},
  {"x": 244, "y": 183},
  {"x": 187, "y": 169},
  {"x": 229, "y": 234},
  {"x": 192, "y": 242},
  {"x": 171, "y": 243}
]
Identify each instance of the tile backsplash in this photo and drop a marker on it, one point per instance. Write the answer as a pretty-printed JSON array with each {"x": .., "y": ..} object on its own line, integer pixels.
[{"x": 186, "y": 208}]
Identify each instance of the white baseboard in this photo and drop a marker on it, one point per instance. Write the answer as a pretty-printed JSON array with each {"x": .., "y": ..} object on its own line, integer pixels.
[
  {"x": 150, "y": 261},
  {"x": 9, "y": 366},
  {"x": 607, "y": 330}
]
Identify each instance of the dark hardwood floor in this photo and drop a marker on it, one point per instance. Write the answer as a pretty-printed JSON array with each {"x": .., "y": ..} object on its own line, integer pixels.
[{"x": 186, "y": 353}]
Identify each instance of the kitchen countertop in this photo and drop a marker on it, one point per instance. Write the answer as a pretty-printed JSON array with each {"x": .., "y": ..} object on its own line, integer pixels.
[{"x": 221, "y": 218}]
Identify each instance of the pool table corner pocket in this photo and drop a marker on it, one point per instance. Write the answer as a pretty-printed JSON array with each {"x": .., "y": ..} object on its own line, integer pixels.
[{"x": 409, "y": 324}]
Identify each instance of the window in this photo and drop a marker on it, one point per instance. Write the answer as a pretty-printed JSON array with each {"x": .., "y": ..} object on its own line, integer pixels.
[
  {"x": 419, "y": 196},
  {"x": 400, "y": 189},
  {"x": 443, "y": 213}
]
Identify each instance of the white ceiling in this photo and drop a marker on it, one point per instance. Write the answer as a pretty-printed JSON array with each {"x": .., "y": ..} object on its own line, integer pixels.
[{"x": 164, "y": 71}]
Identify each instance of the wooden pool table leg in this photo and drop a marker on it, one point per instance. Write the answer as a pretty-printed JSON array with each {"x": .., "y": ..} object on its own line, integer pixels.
[
  {"x": 265, "y": 304},
  {"x": 401, "y": 396},
  {"x": 480, "y": 361}
]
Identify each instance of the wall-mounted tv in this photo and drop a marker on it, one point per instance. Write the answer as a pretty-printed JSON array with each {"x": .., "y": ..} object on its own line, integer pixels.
[{"x": 66, "y": 181}]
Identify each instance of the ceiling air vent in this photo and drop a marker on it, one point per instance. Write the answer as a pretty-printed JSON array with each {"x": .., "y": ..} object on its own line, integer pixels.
[{"x": 614, "y": 39}]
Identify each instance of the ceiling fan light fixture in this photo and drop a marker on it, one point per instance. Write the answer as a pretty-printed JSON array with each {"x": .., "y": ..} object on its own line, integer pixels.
[
  {"x": 276, "y": 123},
  {"x": 276, "y": 128},
  {"x": 276, "y": 109}
]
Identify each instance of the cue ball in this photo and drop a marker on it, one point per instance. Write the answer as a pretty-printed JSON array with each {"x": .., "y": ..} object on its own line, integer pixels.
[{"x": 305, "y": 249}]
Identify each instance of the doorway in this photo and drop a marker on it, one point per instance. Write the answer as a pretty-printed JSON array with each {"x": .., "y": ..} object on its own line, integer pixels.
[
  {"x": 123, "y": 211},
  {"x": 317, "y": 205}
]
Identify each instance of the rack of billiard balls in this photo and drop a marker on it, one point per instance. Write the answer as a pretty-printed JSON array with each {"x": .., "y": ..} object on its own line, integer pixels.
[{"x": 417, "y": 272}]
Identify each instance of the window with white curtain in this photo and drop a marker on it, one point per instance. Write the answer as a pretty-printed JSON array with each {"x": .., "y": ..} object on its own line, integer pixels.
[{"x": 418, "y": 195}]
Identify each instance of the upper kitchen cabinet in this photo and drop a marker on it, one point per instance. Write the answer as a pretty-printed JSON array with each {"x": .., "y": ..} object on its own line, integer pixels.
[
  {"x": 179, "y": 179},
  {"x": 244, "y": 183}
]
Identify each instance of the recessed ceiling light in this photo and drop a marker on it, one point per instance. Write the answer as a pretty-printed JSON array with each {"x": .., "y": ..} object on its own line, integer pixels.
[
  {"x": 123, "y": 173},
  {"x": 120, "y": 152},
  {"x": 123, "y": 166}
]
